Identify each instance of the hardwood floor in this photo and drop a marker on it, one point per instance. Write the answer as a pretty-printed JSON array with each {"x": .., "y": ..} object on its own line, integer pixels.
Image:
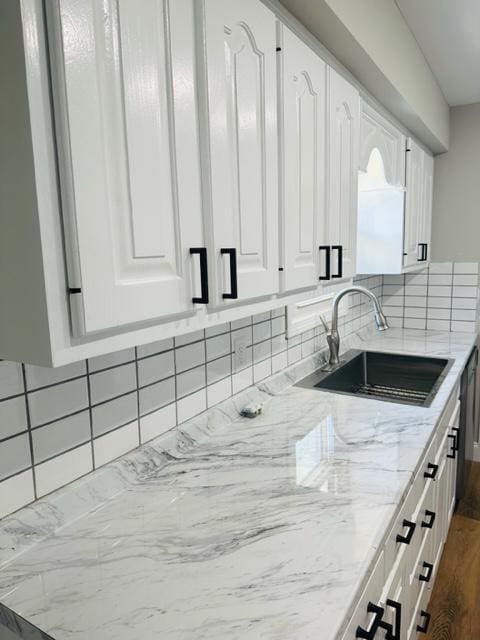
[{"x": 455, "y": 601}]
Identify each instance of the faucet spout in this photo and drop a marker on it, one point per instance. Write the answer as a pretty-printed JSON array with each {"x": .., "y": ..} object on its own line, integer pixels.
[{"x": 333, "y": 337}]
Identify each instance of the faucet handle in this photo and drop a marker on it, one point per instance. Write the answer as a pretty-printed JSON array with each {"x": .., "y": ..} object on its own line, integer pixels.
[{"x": 325, "y": 325}]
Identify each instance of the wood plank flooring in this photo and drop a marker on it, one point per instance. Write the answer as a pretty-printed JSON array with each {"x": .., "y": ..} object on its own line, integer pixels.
[{"x": 455, "y": 601}]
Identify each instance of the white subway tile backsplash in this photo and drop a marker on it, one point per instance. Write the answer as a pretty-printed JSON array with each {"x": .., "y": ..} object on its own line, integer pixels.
[
  {"x": 466, "y": 267},
  {"x": 43, "y": 376},
  {"x": 279, "y": 362},
  {"x": 60, "y": 436},
  {"x": 441, "y": 267},
  {"x": 114, "y": 413},
  {"x": 189, "y": 356},
  {"x": 435, "y": 291},
  {"x": 439, "y": 302},
  {"x": 415, "y": 312},
  {"x": 438, "y": 325},
  {"x": 464, "y": 314},
  {"x": 155, "y": 368},
  {"x": 14, "y": 455},
  {"x": 440, "y": 279},
  {"x": 13, "y": 417},
  {"x": 219, "y": 391},
  {"x": 242, "y": 380},
  {"x": 116, "y": 443},
  {"x": 462, "y": 327},
  {"x": 415, "y": 290},
  {"x": 156, "y": 395},
  {"x": 111, "y": 360},
  {"x": 466, "y": 280},
  {"x": 190, "y": 381},
  {"x": 56, "y": 402},
  {"x": 262, "y": 370},
  {"x": 464, "y": 303},
  {"x": 155, "y": 347},
  {"x": 159, "y": 422},
  {"x": 188, "y": 338},
  {"x": 219, "y": 369},
  {"x": 415, "y": 301},
  {"x": 63, "y": 469},
  {"x": 218, "y": 346},
  {"x": 439, "y": 314},
  {"x": 112, "y": 382},
  {"x": 262, "y": 351},
  {"x": 191, "y": 406},
  {"x": 465, "y": 292},
  {"x": 16, "y": 492},
  {"x": 217, "y": 329}
]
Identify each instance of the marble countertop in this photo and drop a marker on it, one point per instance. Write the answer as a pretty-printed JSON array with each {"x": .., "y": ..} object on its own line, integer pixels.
[{"x": 231, "y": 528}]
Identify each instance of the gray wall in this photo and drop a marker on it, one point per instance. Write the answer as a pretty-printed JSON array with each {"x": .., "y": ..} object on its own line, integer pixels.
[{"x": 456, "y": 192}]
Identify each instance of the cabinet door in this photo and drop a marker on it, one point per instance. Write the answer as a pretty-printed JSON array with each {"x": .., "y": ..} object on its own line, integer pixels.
[
  {"x": 414, "y": 204},
  {"x": 240, "y": 47},
  {"x": 377, "y": 133},
  {"x": 426, "y": 227},
  {"x": 128, "y": 133},
  {"x": 343, "y": 133},
  {"x": 302, "y": 103}
]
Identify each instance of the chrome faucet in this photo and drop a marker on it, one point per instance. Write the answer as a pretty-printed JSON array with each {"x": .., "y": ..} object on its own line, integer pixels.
[{"x": 333, "y": 337}]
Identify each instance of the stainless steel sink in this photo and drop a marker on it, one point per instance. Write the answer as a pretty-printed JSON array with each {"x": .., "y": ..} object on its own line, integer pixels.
[{"x": 391, "y": 377}]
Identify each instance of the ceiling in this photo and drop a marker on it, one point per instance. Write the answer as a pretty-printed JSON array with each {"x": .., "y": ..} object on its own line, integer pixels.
[{"x": 448, "y": 32}]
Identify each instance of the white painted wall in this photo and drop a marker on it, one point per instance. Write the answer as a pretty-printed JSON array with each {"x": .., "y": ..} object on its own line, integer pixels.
[
  {"x": 372, "y": 39},
  {"x": 456, "y": 190}
]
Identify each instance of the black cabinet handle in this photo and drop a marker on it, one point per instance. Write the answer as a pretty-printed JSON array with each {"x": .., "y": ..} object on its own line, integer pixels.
[
  {"x": 328, "y": 270},
  {"x": 202, "y": 252},
  {"x": 457, "y": 439},
  {"x": 433, "y": 468},
  {"x": 369, "y": 634},
  {"x": 339, "y": 249},
  {"x": 233, "y": 295},
  {"x": 424, "y": 628},
  {"x": 424, "y": 252},
  {"x": 411, "y": 530},
  {"x": 425, "y": 258},
  {"x": 420, "y": 259},
  {"x": 428, "y": 524},
  {"x": 426, "y": 577},
  {"x": 393, "y": 631},
  {"x": 454, "y": 449}
]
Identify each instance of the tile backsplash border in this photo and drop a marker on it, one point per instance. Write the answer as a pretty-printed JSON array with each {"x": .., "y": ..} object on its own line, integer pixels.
[{"x": 57, "y": 425}]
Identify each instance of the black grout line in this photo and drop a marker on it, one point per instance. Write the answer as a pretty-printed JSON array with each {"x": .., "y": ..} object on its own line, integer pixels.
[
  {"x": 18, "y": 473},
  {"x": 15, "y": 435},
  {"x": 61, "y": 453},
  {"x": 138, "y": 396},
  {"x": 63, "y": 417},
  {"x": 29, "y": 428},
  {"x": 90, "y": 414}
]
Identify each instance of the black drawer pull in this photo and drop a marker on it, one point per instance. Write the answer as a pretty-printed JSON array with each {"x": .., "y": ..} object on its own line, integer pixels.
[
  {"x": 202, "y": 252},
  {"x": 425, "y": 257},
  {"x": 457, "y": 439},
  {"x": 454, "y": 449},
  {"x": 233, "y": 295},
  {"x": 424, "y": 628},
  {"x": 369, "y": 634},
  {"x": 428, "y": 524},
  {"x": 339, "y": 248},
  {"x": 393, "y": 631},
  {"x": 433, "y": 468},
  {"x": 428, "y": 573},
  {"x": 411, "y": 530},
  {"x": 328, "y": 270}
]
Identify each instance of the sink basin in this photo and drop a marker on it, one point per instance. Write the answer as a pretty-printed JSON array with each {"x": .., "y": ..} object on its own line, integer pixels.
[{"x": 391, "y": 377}]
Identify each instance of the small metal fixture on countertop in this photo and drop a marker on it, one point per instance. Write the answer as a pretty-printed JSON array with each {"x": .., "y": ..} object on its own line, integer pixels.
[
  {"x": 251, "y": 411},
  {"x": 333, "y": 337}
]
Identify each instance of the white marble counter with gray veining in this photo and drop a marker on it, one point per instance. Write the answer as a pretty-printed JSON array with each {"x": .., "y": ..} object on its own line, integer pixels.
[{"x": 239, "y": 529}]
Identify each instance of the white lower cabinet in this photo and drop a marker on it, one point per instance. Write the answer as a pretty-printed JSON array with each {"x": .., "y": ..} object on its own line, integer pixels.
[{"x": 394, "y": 603}]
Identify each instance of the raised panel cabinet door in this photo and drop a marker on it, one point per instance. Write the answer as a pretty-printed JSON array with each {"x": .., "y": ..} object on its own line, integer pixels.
[
  {"x": 343, "y": 134},
  {"x": 240, "y": 58},
  {"x": 414, "y": 204},
  {"x": 302, "y": 106},
  {"x": 125, "y": 101},
  {"x": 377, "y": 133}
]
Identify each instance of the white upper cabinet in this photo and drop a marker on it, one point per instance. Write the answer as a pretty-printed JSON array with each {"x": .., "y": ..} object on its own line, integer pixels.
[
  {"x": 302, "y": 105},
  {"x": 378, "y": 133},
  {"x": 414, "y": 205},
  {"x": 130, "y": 163},
  {"x": 343, "y": 131},
  {"x": 381, "y": 195},
  {"x": 240, "y": 70}
]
